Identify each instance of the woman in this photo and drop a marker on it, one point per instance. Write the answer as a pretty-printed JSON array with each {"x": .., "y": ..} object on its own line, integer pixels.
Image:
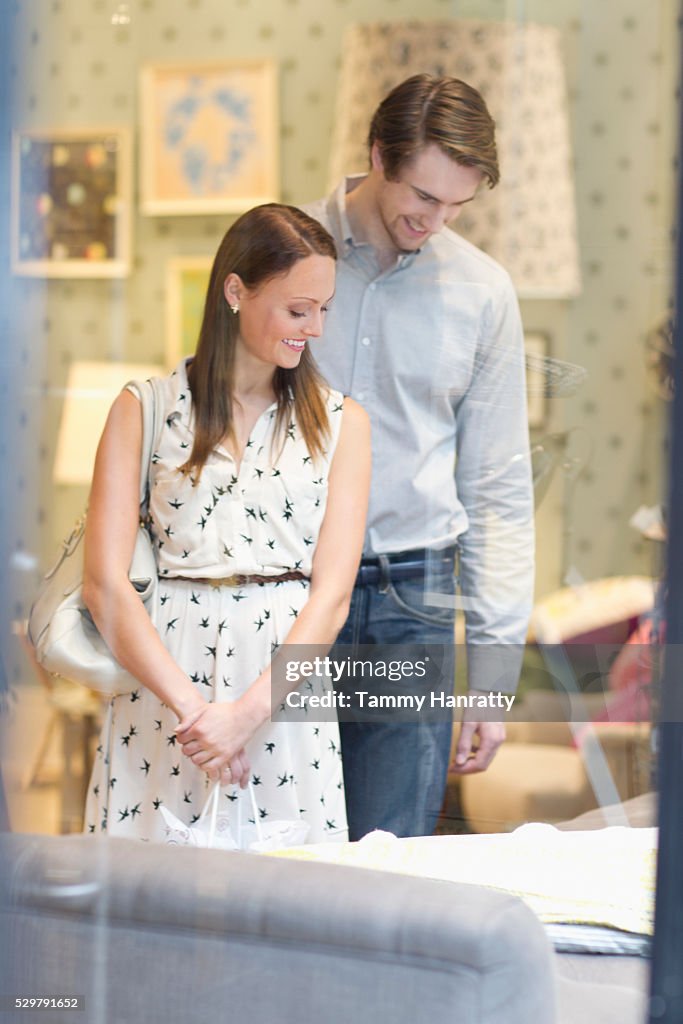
[{"x": 258, "y": 494}]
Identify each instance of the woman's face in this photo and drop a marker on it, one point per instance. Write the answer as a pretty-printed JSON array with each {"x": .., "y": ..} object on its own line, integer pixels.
[{"x": 278, "y": 318}]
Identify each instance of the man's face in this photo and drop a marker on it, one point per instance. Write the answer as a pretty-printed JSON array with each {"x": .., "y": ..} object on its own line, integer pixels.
[{"x": 430, "y": 191}]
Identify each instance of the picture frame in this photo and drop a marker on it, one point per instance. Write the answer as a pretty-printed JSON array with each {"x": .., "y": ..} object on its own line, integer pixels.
[
  {"x": 209, "y": 137},
  {"x": 187, "y": 278},
  {"x": 536, "y": 347},
  {"x": 71, "y": 208}
]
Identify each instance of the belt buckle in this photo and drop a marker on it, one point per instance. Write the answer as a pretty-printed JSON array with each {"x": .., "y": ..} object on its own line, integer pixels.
[{"x": 226, "y": 581}]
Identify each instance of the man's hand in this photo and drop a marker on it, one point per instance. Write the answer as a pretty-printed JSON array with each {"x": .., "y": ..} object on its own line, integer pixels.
[{"x": 477, "y": 746}]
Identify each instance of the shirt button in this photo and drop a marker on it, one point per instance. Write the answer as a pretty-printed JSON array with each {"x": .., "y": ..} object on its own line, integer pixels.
[
  {"x": 365, "y": 341},
  {"x": 360, "y": 395},
  {"x": 372, "y": 286}
]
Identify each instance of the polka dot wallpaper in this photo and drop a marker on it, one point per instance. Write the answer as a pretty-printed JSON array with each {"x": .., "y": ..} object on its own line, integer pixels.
[
  {"x": 527, "y": 222},
  {"x": 76, "y": 65}
]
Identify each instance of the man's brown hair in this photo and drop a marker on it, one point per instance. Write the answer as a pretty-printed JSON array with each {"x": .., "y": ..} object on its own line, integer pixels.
[{"x": 425, "y": 109}]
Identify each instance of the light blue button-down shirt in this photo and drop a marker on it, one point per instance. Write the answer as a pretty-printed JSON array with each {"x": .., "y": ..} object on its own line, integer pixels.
[{"x": 433, "y": 349}]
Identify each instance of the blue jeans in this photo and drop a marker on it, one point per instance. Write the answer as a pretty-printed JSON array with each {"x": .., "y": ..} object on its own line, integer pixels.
[{"x": 395, "y": 774}]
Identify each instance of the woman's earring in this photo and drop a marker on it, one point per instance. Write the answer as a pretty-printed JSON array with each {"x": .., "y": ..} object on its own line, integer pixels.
[{"x": 235, "y": 308}]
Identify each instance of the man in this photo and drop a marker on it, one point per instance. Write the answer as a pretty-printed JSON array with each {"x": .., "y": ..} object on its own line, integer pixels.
[{"x": 424, "y": 331}]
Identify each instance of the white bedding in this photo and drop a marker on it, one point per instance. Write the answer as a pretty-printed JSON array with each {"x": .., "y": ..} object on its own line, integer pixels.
[{"x": 604, "y": 878}]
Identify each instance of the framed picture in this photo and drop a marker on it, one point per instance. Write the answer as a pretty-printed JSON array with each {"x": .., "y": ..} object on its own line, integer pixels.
[
  {"x": 71, "y": 203},
  {"x": 209, "y": 137},
  {"x": 187, "y": 278},
  {"x": 536, "y": 345}
]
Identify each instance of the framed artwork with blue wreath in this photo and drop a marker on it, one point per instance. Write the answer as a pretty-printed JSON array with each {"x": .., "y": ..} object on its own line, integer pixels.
[{"x": 209, "y": 137}]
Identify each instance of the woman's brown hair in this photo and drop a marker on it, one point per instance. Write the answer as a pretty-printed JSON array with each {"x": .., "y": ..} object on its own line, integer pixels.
[{"x": 263, "y": 243}]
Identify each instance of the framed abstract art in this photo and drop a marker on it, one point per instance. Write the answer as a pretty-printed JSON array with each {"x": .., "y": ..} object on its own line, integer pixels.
[
  {"x": 536, "y": 345},
  {"x": 187, "y": 278},
  {"x": 71, "y": 203},
  {"x": 209, "y": 137}
]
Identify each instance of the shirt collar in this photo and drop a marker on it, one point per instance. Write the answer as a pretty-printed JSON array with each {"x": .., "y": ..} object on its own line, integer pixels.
[
  {"x": 341, "y": 226},
  {"x": 182, "y": 408},
  {"x": 339, "y": 218},
  {"x": 182, "y": 396}
]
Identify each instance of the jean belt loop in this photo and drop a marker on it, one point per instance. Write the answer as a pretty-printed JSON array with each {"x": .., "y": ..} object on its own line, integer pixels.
[{"x": 384, "y": 574}]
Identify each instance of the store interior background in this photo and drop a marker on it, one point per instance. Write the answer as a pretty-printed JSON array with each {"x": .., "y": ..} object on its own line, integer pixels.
[{"x": 74, "y": 68}]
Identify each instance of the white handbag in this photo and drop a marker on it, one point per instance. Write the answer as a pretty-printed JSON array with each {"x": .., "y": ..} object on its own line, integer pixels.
[
  {"x": 221, "y": 830},
  {"x": 60, "y": 628}
]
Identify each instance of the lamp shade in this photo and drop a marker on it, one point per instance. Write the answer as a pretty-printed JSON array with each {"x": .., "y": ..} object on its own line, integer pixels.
[
  {"x": 528, "y": 222},
  {"x": 91, "y": 388}
]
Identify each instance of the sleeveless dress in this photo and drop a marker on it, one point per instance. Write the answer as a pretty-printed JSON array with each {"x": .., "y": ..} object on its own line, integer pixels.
[{"x": 262, "y": 520}]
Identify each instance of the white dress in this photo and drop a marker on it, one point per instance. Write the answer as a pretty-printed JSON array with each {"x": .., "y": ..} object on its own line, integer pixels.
[{"x": 263, "y": 520}]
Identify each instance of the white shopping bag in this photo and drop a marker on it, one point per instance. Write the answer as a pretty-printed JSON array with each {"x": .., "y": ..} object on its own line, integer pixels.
[{"x": 225, "y": 830}]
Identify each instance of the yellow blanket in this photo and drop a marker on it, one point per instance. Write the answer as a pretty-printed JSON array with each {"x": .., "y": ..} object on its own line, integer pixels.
[{"x": 603, "y": 877}]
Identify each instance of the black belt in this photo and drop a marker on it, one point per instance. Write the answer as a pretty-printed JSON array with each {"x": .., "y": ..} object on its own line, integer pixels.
[{"x": 404, "y": 565}]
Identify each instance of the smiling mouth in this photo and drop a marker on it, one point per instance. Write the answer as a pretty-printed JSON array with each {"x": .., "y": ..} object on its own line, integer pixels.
[
  {"x": 416, "y": 231},
  {"x": 295, "y": 344}
]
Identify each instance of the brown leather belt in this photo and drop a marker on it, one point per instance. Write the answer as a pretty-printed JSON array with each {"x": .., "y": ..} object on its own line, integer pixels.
[{"x": 243, "y": 579}]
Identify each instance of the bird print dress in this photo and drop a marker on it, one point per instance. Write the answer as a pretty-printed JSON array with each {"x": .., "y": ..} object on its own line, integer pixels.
[{"x": 262, "y": 518}]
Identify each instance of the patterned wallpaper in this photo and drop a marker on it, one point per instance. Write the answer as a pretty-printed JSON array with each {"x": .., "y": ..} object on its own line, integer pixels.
[
  {"x": 528, "y": 222},
  {"x": 75, "y": 64},
  {"x": 625, "y": 81}
]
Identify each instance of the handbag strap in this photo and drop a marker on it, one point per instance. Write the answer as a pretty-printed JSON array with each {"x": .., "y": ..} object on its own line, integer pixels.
[
  {"x": 147, "y": 393},
  {"x": 211, "y": 806},
  {"x": 210, "y": 809},
  {"x": 257, "y": 816}
]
